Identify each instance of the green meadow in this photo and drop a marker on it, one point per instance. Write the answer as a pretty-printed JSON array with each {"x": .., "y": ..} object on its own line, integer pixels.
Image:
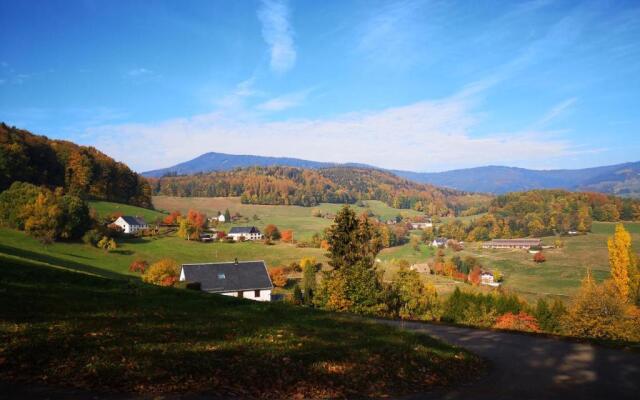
[
  {"x": 559, "y": 276},
  {"x": 296, "y": 218},
  {"x": 104, "y": 208}
]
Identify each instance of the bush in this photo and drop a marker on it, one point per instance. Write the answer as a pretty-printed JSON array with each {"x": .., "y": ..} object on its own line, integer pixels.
[
  {"x": 107, "y": 244},
  {"x": 294, "y": 266},
  {"x": 92, "y": 237},
  {"x": 164, "y": 272},
  {"x": 139, "y": 266},
  {"x": 297, "y": 295},
  {"x": 278, "y": 277},
  {"x": 517, "y": 322},
  {"x": 271, "y": 232}
]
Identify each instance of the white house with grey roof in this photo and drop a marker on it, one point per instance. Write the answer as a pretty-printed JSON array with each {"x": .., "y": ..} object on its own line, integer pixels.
[
  {"x": 243, "y": 279},
  {"x": 131, "y": 224},
  {"x": 248, "y": 232}
]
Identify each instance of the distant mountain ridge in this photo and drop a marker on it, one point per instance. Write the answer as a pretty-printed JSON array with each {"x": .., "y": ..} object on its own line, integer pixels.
[
  {"x": 210, "y": 162},
  {"x": 620, "y": 179}
]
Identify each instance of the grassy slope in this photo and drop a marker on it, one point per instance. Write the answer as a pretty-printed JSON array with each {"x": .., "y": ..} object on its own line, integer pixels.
[
  {"x": 284, "y": 217},
  {"x": 104, "y": 208},
  {"x": 83, "y": 257},
  {"x": 69, "y": 329}
]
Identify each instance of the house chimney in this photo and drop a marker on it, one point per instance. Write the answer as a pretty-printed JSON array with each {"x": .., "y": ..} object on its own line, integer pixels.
[{"x": 236, "y": 261}]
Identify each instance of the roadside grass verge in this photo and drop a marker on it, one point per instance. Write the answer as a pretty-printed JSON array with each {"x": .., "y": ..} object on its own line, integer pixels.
[{"x": 68, "y": 329}]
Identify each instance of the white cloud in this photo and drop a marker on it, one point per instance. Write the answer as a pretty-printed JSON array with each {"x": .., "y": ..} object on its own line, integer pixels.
[
  {"x": 284, "y": 102},
  {"x": 236, "y": 98},
  {"x": 277, "y": 32},
  {"x": 424, "y": 136}
]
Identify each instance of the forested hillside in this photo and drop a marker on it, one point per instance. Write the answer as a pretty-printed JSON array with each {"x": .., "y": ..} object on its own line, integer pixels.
[
  {"x": 309, "y": 187},
  {"x": 80, "y": 170},
  {"x": 543, "y": 212}
]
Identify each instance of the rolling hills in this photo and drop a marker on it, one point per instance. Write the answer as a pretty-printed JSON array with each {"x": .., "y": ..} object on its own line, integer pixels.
[
  {"x": 620, "y": 179},
  {"x": 310, "y": 187}
]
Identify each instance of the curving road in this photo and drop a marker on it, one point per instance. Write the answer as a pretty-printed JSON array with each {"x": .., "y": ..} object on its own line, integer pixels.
[{"x": 529, "y": 367}]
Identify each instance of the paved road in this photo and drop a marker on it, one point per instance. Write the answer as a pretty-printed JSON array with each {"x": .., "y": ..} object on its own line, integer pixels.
[{"x": 528, "y": 367}]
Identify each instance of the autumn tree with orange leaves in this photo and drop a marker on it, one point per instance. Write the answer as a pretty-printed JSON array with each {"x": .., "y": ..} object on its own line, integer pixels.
[
  {"x": 287, "y": 235},
  {"x": 517, "y": 322}
]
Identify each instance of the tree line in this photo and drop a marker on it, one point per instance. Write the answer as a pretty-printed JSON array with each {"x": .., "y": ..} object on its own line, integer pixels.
[
  {"x": 79, "y": 170},
  {"x": 542, "y": 213},
  {"x": 310, "y": 187}
]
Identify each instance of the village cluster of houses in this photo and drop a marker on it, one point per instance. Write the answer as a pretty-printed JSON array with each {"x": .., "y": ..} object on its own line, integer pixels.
[
  {"x": 250, "y": 279},
  {"x": 131, "y": 225}
]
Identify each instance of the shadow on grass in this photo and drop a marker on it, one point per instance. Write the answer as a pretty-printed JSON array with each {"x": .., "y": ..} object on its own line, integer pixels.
[
  {"x": 122, "y": 252},
  {"x": 50, "y": 259},
  {"x": 118, "y": 335}
]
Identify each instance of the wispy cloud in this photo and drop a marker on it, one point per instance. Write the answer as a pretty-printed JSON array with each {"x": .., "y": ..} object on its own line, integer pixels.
[
  {"x": 136, "y": 72},
  {"x": 427, "y": 135},
  {"x": 556, "y": 111},
  {"x": 284, "y": 102},
  {"x": 278, "y": 33},
  {"x": 237, "y": 97},
  {"x": 396, "y": 33}
]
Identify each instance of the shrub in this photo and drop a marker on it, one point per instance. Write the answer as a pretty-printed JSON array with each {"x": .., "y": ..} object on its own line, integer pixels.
[
  {"x": 278, "y": 277},
  {"x": 107, "y": 244},
  {"x": 287, "y": 236},
  {"x": 139, "y": 266},
  {"x": 297, "y": 295},
  {"x": 518, "y": 322},
  {"x": 92, "y": 237},
  {"x": 294, "y": 266},
  {"x": 164, "y": 272},
  {"x": 539, "y": 257},
  {"x": 271, "y": 232}
]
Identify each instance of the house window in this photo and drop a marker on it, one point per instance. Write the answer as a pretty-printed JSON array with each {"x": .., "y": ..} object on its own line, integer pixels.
[
  {"x": 256, "y": 294},
  {"x": 221, "y": 275},
  {"x": 240, "y": 295}
]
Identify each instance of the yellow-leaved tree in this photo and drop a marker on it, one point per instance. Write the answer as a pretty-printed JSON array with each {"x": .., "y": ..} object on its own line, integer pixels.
[
  {"x": 619, "y": 260},
  {"x": 598, "y": 311},
  {"x": 164, "y": 272}
]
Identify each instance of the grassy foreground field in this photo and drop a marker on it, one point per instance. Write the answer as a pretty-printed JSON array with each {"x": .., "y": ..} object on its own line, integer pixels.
[
  {"x": 70, "y": 329},
  {"x": 297, "y": 218}
]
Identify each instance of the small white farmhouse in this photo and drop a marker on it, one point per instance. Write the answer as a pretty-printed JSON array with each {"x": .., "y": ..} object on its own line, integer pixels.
[
  {"x": 244, "y": 279},
  {"x": 421, "y": 225},
  {"x": 131, "y": 224},
  {"x": 487, "y": 279},
  {"x": 221, "y": 218},
  {"x": 248, "y": 232},
  {"x": 439, "y": 242}
]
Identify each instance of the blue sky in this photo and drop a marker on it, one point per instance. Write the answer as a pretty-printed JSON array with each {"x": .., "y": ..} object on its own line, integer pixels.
[{"x": 417, "y": 85}]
